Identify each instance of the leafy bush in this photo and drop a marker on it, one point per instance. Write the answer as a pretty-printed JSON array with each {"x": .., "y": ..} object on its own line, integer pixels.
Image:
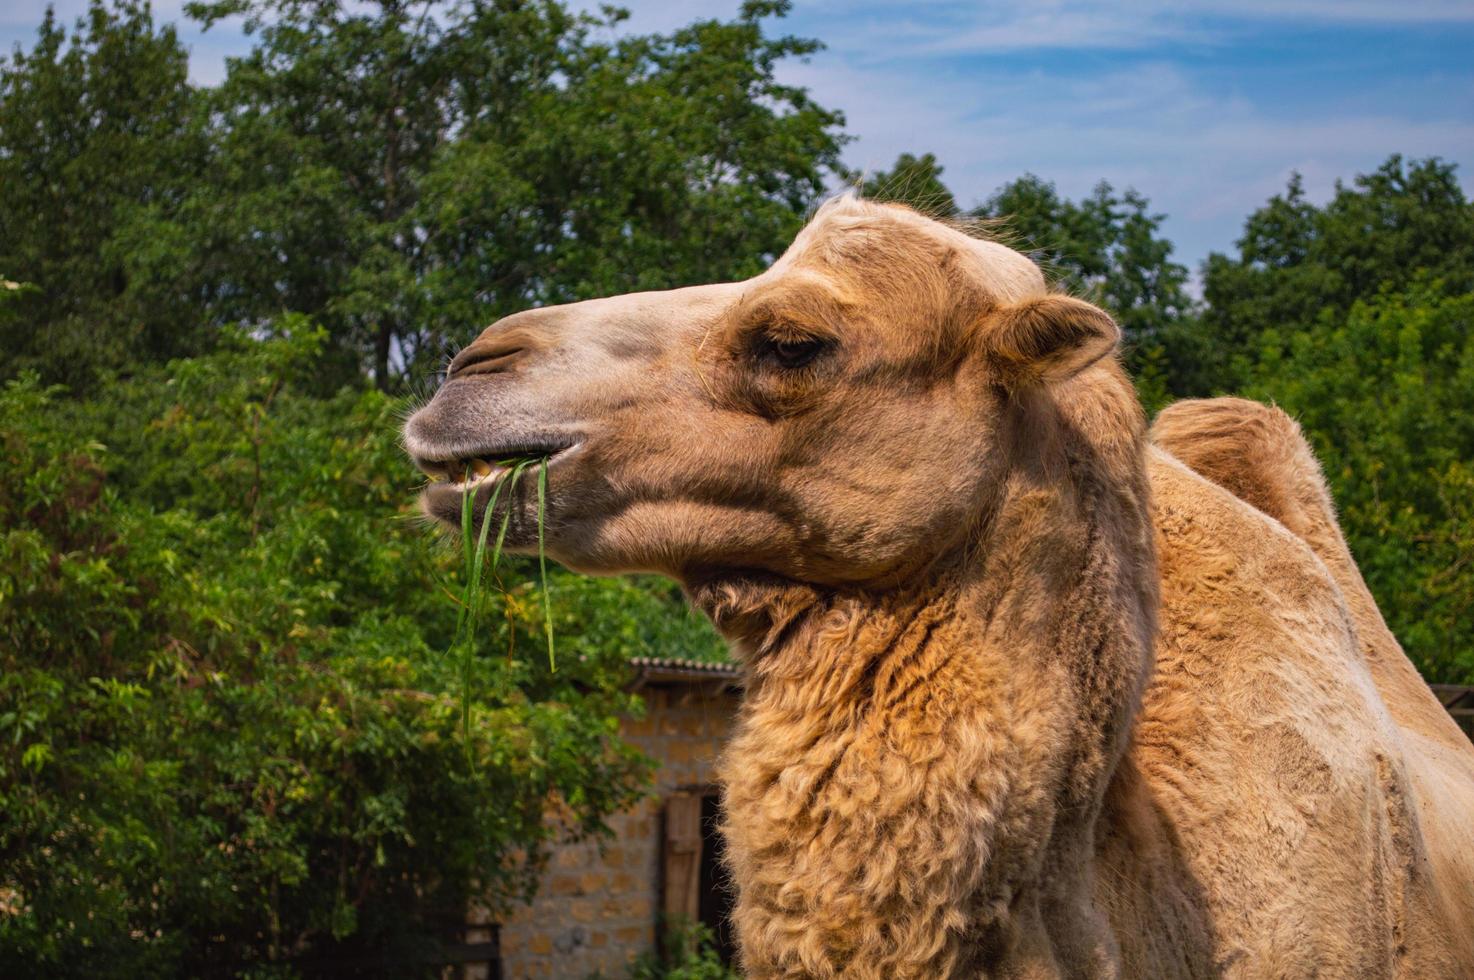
[
  {"x": 689, "y": 953},
  {"x": 1383, "y": 393},
  {"x": 229, "y": 727}
]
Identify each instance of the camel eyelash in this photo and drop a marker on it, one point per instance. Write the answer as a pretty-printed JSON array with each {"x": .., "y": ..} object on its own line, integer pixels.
[
  {"x": 790, "y": 353},
  {"x": 782, "y": 343}
]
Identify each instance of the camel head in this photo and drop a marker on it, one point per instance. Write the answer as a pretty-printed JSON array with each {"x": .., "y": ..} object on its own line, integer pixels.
[{"x": 834, "y": 421}]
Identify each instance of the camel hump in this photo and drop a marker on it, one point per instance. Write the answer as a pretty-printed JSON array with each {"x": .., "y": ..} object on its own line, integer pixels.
[{"x": 1257, "y": 453}]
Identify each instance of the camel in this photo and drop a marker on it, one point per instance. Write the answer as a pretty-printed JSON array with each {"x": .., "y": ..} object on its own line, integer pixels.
[{"x": 1030, "y": 692}]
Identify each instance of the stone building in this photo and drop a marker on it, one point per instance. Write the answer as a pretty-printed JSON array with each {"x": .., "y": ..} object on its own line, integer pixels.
[{"x": 601, "y": 903}]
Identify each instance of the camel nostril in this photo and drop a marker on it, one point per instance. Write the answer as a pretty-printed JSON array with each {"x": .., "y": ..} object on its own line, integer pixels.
[{"x": 484, "y": 359}]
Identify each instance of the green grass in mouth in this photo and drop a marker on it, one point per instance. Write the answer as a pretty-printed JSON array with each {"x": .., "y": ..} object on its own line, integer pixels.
[
  {"x": 475, "y": 561},
  {"x": 542, "y": 557}
]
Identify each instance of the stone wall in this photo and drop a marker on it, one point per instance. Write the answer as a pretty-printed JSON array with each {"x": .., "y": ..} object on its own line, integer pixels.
[{"x": 598, "y": 905}]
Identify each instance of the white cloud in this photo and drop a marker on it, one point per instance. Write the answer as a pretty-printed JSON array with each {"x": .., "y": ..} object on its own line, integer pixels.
[
  {"x": 891, "y": 29},
  {"x": 1345, "y": 11},
  {"x": 1205, "y": 159}
]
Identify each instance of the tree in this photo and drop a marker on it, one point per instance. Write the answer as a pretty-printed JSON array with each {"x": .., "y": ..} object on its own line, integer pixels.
[
  {"x": 408, "y": 172},
  {"x": 1382, "y": 390},
  {"x": 1355, "y": 317},
  {"x": 97, "y": 129},
  {"x": 1401, "y": 224}
]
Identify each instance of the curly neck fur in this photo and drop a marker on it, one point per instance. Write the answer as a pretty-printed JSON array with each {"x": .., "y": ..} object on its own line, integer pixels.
[{"x": 914, "y": 783}]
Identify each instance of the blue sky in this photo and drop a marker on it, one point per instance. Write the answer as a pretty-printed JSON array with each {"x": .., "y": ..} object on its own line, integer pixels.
[{"x": 1206, "y": 107}]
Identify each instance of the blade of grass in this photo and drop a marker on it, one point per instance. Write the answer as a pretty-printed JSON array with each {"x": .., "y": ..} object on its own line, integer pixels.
[
  {"x": 496, "y": 557},
  {"x": 462, "y": 640},
  {"x": 501, "y": 534},
  {"x": 475, "y": 571},
  {"x": 471, "y": 601},
  {"x": 468, "y": 501},
  {"x": 471, "y": 598},
  {"x": 464, "y": 612},
  {"x": 542, "y": 557}
]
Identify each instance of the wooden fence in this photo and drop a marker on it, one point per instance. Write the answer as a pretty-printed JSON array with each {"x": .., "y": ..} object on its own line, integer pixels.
[{"x": 1459, "y": 700}]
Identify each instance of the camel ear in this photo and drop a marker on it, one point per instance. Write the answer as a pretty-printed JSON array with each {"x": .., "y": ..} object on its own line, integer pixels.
[{"x": 1049, "y": 339}]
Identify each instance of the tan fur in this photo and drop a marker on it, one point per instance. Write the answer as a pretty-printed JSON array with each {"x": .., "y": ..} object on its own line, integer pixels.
[
  {"x": 1026, "y": 695},
  {"x": 1258, "y": 453}
]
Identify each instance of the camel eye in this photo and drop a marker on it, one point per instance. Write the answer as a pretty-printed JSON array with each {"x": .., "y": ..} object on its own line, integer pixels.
[{"x": 793, "y": 354}]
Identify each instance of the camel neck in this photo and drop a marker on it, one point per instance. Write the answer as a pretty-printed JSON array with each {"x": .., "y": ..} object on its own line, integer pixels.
[
  {"x": 853, "y": 653},
  {"x": 930, "y": 760}
]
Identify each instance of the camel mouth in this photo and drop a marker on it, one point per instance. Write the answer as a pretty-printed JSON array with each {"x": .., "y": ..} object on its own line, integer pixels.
[
  {"x": 464, "y": 471},
  {"x": 458, "y": 474}
]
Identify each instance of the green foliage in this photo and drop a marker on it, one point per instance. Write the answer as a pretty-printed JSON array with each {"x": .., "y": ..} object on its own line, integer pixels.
[
  {"x": 229, "y": 731},
  {"x": 1384, "y": 393},
  {"x": 688, "y": 953},
  {"x": 1397, "y": 226},
  {"x": 1355, "y": 316},
  {"x": 403, "y": 173},
  {"x": 98, "y": 130}
]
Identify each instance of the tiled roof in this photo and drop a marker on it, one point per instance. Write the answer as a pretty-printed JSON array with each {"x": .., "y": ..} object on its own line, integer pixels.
[{"x": 678, "y": 670}]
